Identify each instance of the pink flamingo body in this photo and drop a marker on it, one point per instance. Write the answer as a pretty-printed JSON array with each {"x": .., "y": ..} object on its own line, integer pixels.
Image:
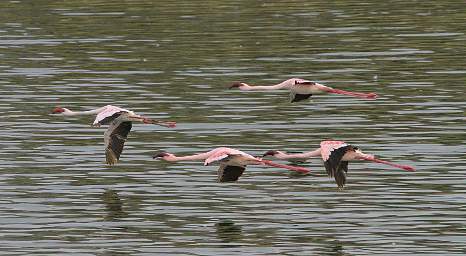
[
  {"x": 301, "y": 89},
  {"x": 232, "y": 162},
  {"x": 336, "y": 155},
  {"x": 120, "y": 123}
]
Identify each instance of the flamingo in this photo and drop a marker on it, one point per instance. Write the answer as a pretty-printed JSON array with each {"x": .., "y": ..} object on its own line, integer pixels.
[
  {"x": 232, "y": 162},
  {"x": 301, "y": 89},
  {"x": 336, "y": 155},
  {"x": 120, "y": 123}
]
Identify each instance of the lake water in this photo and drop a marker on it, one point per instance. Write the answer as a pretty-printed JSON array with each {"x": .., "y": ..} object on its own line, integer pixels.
[{"x": 173, "y": 60}]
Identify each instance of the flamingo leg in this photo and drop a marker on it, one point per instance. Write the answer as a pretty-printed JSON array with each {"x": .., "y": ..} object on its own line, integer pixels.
[
  {"x": 401, "y": 166},
  {"x": 169, "y": 124},
  {"x": 284, "y": 166},
  {"x": 146, "y": 120},
  {"x": 355, "y": 94}
]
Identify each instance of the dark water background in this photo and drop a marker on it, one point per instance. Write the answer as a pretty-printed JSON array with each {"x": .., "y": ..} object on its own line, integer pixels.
[{"x": 173, "y": 60}]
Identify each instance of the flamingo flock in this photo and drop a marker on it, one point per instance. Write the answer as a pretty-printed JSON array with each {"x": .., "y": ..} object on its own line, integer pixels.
[{"x": 233, "y": 162}]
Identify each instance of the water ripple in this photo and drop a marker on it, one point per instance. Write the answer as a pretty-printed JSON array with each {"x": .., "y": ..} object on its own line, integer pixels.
[{"x": 174, "y": 61}]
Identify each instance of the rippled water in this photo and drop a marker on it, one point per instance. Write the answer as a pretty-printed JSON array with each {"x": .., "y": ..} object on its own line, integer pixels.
[{"x": 173, "y": 60}]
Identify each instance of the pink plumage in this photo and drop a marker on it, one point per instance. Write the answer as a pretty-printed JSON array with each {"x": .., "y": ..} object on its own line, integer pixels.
[
  {"x": 223, "y": 152},
  {"x": 108, "y": 111},
  {"x": 328, "y": 146}
]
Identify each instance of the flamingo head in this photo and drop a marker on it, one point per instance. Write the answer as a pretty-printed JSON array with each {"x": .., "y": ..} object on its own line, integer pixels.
[
  {"x": 237, "y": 85},
  {"x": 163, "y": 155},
  {"x": 59, "y": 110},
  {"x": 271, "y": 153}
]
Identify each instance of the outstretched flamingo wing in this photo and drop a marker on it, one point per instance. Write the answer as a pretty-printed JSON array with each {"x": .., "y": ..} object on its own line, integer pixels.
[
  {"x": 332, "y": 154},
  {"x": 215, "y": 157},
  {"x": 328, "y": 146},
  {"x": 295, "y": 97},
  {"x": 115, "y": 138},
  {"x": 221, "y": 154},
  {"x": 109, "y": 114},
  {"x": 228, "y": 173}
]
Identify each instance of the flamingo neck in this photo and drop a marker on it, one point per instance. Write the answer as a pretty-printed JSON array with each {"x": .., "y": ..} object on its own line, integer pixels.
[
  {"x": 306, "y": 155},
  {"x": 84, "y": 113},
  {"x": 81, "y": 113},
  {"x": 200, "y": 156},
  {"x": 263, "y": 87}
]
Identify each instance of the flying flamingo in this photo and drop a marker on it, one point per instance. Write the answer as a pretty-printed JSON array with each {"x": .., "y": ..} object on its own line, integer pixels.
[
  {"x": 301, "y": 89},
  {"x": 336, "y": 155},
  {"x": 120, "y": 123},
  {"x": 232, "y": 162}
]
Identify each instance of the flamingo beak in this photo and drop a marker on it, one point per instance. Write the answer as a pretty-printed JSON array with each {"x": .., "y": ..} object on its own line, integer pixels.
[
  {"x": 372, "y": 95},
  {"x": 161, "y": 154},
  {"x": 57, "y": 110},
  {"x": 408, "y": 168},
  {"x": 235, "y": 85},
  {"x": 270, "y": 153}
]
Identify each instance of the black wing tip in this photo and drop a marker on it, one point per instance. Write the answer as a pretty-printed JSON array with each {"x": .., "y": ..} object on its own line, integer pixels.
[
  {"x": 230, "y": 173},
  {"x": 110, "y": 157},
  {"x": 337, "y": 168},
  {"x": 340, "y": 178},
  {"x": 300, "y": 97},
  {"x": 223, "y": 180}
]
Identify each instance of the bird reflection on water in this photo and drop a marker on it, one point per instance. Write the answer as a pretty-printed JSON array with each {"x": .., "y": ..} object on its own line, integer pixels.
[
  {"x": 335, "y": 250},
  {"x": 113, "y": 205},
  {"x": 228, "y": 231}
]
